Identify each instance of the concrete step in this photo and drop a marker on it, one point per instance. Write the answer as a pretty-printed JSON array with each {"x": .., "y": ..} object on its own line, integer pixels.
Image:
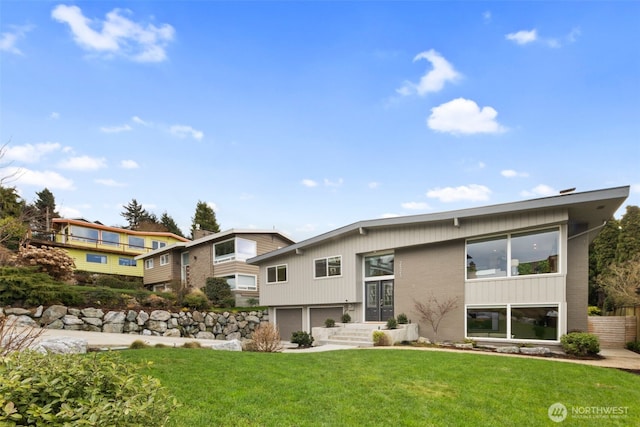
[{"x": 344, "y": 342}]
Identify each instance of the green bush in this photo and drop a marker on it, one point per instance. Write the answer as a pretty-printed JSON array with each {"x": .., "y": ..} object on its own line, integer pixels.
[
  {"x": 594, "y": 311},
  {"x": 329, "y": 323},
  {"x": 402, "y": 319},
  {"x": 97, "y": 390},
  {"x": 138, "y": 344},
  {"x": 20, "y": 286},
  {"x": 196, "y": 300},
  {"x": 380, "y": 339},
  {"x": 392, "y": 323},
  {"x": 633, "y": 346},
  {"x": 580, "y": 344},
  {"x": 302, "y": 338},
  {"x": 115, "y": 282},
  {"x": 346, "y": 318},
  {"x": 218, "y": 291}
]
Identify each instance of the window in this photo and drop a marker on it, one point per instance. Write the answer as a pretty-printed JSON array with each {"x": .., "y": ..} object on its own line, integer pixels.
[
  {"x": 127, "y": 262},
  {"x": 110, "y": 238},
  {"x": 378, "y": 265},
  {"x": 100, "y": 259},
  {"x": 155, "y": 244},
  {"x": 84, "y": 234},
  {"x": 242, "y": 282},
  {"x": 164, "y": 259},
  {"x": 136, "y": 242},
  {"x": 148, "y": 264},
  {"x": 514, "y": 255},
  {"x": 234, "y": 249},
  {"x": 521, "y": 322},
  {"x": 327, "y": 267},
  {"x": 277, "y": 274}
]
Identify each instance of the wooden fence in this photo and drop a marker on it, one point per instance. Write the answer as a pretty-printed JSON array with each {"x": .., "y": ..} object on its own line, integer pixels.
[{"x": 614, "y": 331}]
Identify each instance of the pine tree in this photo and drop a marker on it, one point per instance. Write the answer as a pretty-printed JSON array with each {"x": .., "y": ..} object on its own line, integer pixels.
[
  {"x": 134, "y": 213},
  {"x": 170, "y": 224},
  {"x": 43, "y": 210},
  {"x": 602, "y": 253},
  {"x": 204, "y": 219},
  {"x": 629, "y": 239}
]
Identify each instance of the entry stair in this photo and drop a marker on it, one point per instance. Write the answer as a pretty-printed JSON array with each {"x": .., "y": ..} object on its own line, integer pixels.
[{"x": 357, "y": 335}]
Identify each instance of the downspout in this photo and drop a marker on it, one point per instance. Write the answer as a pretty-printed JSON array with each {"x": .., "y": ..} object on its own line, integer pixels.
[{"x": 588, "y": 231}]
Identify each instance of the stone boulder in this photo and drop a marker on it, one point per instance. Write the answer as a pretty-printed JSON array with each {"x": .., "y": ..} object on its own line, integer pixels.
[
  {"x": 203, "y": 335},
  {"x": 535, "y": 351},
  {"x": 70, "y": 319},
  {"x": 17, "y": 311},
  {"x": 161, "y": 315},
  {"x": 509, "y": 349},
  {"x": 114, "y": 317},
  {"x": 113, "y": 328},
  {"x": 61, "y": 345},
  {"x": 92, "y": 312},
  {"x": 21, "y": 321},
  {"x": 53, "y": 313},
  {"x": 231, "y": 345},
  {"x": 172, "y": 333}
]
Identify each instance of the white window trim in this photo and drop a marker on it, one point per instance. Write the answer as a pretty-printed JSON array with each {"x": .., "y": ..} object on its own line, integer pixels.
[
  {"x": 286, "y": 266},
  {"x": 165, "y": 259},
  {"x": 255, "y": 280},
  {"x": 148, "y": 263},
  {"x": 328, "y": 276},
  {"x": 561, "y": 254},
  {"x": 559, "y": 329},
  {"x": 224, "y": 258}
]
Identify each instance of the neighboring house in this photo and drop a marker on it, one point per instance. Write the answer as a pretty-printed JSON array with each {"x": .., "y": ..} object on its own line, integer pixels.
[
  {"x": 518, "y": 271},
  {"x": 100, "y": 249},
  {"x": 222, "y": 254}
]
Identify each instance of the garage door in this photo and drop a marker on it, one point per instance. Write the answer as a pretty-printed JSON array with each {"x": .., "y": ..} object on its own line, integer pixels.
[
  {"x": 320, "y": 314},
  {"x": 288, "y": 321}
]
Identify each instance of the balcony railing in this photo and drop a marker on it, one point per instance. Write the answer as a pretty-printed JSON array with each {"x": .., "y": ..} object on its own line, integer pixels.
[{"x": 69, "y": 240}]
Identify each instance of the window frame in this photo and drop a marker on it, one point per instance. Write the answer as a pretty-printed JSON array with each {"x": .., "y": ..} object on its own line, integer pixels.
[
  {"x": 103, "y": 258},
  {"x": 131, "y": 262},
  {"x": 109, "y": 242},
  {"x": 276, "y": 267},
  {"x": 165, "y": 259},
  {"x": 509, "y": 321},
  {"x": 157, "y": 244},
  {"x": 328, "y": 274},
  {"x": 131, "y": 246},
  {"x": 236, "y": 287},
  {"x": 509, "y": 262},
  {"x": 148, "y": 263},
  {"x": 235, "y": 255}
]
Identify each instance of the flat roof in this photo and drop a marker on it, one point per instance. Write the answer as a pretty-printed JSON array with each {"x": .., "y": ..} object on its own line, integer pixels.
[{"x": 590, "y": 207}]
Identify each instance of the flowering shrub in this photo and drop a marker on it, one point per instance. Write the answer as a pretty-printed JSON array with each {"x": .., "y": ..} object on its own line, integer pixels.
[{"x": 53, "y": 261}]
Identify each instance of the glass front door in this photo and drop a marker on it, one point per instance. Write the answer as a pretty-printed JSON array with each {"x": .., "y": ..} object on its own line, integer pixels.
[{"x": 379, "y": 300}]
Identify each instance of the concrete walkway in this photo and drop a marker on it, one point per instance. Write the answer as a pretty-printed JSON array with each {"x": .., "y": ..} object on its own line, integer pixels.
[{"x": 612, "y": 357}]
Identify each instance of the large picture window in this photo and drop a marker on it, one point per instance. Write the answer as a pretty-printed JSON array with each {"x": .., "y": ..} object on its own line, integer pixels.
[
  {"x": 277, "y": 274},
  {"x": 520, "y": 322},
  {"x": 514, "y": 255},
  {"x": 328, "y": 267},
  {"x": 234, "y": 249},
  {"x": 99, "y": 259},
  {"x": 127, "y": 262},
  {"x": 136, "y": 242},
  {"x": 378, "y": 265},
  {"x": 84, "y": 234},
  {"x": 110, "y": 238},
  {"x": 242, "y": 282}
]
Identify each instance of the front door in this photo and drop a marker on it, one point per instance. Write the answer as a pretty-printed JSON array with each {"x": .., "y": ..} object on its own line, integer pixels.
[{"x": 379, "y": 305}]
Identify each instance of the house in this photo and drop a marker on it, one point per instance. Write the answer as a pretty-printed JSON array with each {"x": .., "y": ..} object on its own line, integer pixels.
[
  {"x": 97, "y": 248},
  {"x": 222, "y": 254},
  {"x": 515, "y": 271}
]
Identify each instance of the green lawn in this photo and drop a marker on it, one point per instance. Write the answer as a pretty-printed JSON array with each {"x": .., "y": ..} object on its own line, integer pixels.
[{"x": 383, "y": 387}]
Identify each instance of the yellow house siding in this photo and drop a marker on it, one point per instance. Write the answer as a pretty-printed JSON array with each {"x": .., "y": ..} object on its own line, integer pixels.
[{"x": 112, "y": 266}]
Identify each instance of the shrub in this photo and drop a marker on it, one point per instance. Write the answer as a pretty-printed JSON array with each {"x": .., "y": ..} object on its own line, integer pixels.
[
  {"x": 580, "y": 344},
  {"x": 302, "y": 338},
  {"x": 266, "y": 339},
  {"x": 346, "y": 318},
  {"x": 380, "y": 339},
  {"x": 138, "y": 344},
  {"x": 253, "y": 302},
  {"x": 192, "y": 344},
  {"x": 594, "y": 311},
  {"x": 392, "y": 323},
  {"x": 218, "y": 291},
  {"x": 53, "y": 261},
  {"x": 196, "y": 300},
  {"x": 21, "y": 286},
  {"x": 115, "y": 282},
  {"x": 633, "y": 346},
  {"x": 402, "y": 319},
  {"x": 329, "y": 323},
  {"x": 60, "y": 390}
]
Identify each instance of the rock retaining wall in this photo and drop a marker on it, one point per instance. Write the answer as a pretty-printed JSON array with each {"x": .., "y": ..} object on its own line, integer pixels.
[{"x": 190, "y": 324}]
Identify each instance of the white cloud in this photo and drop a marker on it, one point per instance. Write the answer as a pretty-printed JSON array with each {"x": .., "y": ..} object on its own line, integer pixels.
[
  {"x": 523, "y": 37},
  {"x": 309, "y": 183},
  {"x": 463, "y": 116},
  {"x": 69, "y": 212},
  {"x": 329, "y": 183},
  {"x": 49, "y": 179},
  {"x": 116, "y": 129},
  {"x": 139, "y": 121},
  {"x": 416, "y": 206},
  {"x": 29, "y": 153},
  {"x": 434, "y": 80},
  {"x": 541, "y": 190},
  {"x": 118, "y": 35},
  {"x": 473, "y": 193},
  {"x": 510, "y": 173},
  {"x": 129, "y": 164},
  {"x": 373, "y": 185},
  {"x": 54, "y": 115},
  {"x": 182, "y": 131},
  {"x": 9, "y": 39},
  {"x": 83, "y": 163},
  {"x": 110, "y": 183}
]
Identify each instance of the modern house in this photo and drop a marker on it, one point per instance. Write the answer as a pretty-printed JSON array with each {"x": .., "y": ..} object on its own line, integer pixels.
[
  {"x": 222, "y": 254},
  {"x": 97, "y": 248},
  {"x": 515, "y": 271}
]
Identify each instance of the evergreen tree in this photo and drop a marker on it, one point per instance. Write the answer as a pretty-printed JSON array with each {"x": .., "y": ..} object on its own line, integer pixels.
[
  {"x": 170, "y": 224},
  {"x": 629, "y": 239},
  {"x": 134, "y": 213},
  {"x": 602, "y": 253},
  {"x": 204, "y": 219},
  {"x": 10, "y": 203},
  {"x": 43, "y": 210}
]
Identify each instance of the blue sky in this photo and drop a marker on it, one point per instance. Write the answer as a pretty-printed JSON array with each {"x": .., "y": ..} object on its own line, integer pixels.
[{"x": 307, "y": 116}]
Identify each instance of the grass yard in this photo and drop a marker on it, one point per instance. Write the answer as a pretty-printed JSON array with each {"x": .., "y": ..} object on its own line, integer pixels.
[{"x": 383, "y": 387}]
